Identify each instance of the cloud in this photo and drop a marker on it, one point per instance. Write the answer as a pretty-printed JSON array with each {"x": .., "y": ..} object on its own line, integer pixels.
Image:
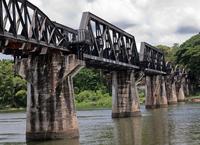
[
  {"x": 90, "y": 1},
  {"x": 124, "y": 24},
  {"x": 154, "y": 21},
  {"x": 187, "y": 30}
]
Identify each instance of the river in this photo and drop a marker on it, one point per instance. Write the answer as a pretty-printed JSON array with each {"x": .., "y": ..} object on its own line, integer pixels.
[{"x": 176, "y": 125}]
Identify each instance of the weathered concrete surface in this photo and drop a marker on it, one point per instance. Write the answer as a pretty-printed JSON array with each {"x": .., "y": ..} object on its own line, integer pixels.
[
  {"x": 125, "y": 100},
  {"x": 186, "y": 85},
  {"x": 150, "y": 97},
  {"x": 155, "y": 92},
  {"x": 181, "y": 94},
  {"x": 180, "y": 88},
  {"x": 186, "y": 88},
  {"x": 50, "y": 99},
  {"x": 171, "y": 89},
  {"x": 163, "y": 99}
]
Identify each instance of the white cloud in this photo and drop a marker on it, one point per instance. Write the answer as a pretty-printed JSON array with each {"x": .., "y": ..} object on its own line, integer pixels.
[{"x": 153, "y": 21}]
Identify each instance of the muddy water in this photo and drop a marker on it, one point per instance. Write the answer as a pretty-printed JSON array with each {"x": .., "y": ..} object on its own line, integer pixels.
[{"x": 176, "y": 125}]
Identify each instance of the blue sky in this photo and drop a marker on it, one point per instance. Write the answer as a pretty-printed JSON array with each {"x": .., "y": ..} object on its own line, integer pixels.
[{"x": 154, "y": 21}]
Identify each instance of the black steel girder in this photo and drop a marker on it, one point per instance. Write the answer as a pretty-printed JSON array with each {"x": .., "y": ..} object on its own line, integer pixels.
[
  {"x": 25, "y": 27},
  {"x": 152, "y": 59},
  {"x": 107, "y": 42}
]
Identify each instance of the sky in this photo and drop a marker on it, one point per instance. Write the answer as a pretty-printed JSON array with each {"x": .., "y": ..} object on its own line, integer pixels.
[{"x": 153, "y": 21}]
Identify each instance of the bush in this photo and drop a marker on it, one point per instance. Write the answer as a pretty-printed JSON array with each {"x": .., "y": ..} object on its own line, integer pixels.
[
  {"x": 20, "y": 98},
  {"x": 90, "y": 99}
]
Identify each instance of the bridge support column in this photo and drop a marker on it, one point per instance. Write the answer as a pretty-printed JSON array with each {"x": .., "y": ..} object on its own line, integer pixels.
[
  {"x": 171, "y": 90},
  {"x": 163, "y": 99},
  {"x": 51, "y": 110},
  {"x": 180, "y": 90},
  {"x": 155, "y": 92},
  {"x": 186, "y": 87},
  {"x": 125, "y": 100}
]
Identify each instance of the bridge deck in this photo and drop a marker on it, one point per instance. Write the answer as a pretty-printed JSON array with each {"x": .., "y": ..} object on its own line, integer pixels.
[{"x": 103, "y": 63}]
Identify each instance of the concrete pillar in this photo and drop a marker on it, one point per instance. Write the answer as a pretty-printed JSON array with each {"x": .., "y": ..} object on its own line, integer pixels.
[
  {"x": 181, "y": 94},
  {"x": 187, "y": 88},
  {"x": 150, "y": 98},
  {"x": 163, "y": 99},
  {"x": 125, "y": 100},
  {"x": 171, "y": 89},
  {"x": 51, "y": 110},
  {"x": 155, "y": 92},
  {"x": 186, "y": 85}
]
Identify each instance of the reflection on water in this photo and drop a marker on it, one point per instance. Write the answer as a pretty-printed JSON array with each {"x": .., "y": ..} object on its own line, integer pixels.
[
  {"x": 128, "y": 131},
  {"x": 176, "y": 125},
  {"x": 155, "y": 127},
  {"x": 58, "y": 142}
]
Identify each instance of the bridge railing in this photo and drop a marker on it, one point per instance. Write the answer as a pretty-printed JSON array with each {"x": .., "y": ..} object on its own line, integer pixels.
[
  {"x": 107, "y": 41},
  {"x": 23, "y": 22}
]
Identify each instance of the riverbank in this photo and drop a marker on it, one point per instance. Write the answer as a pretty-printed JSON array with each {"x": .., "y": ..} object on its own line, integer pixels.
[
  {"x": 95, "y": 105},
  {"x": 193, "y": 99},
  {"x": 79, "y": 107},
  {"x": 6, "y": 110}
]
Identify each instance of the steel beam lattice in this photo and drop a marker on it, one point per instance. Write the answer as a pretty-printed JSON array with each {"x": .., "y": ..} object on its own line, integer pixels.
[
  {"x": 108, "y": 42},
  {"x": 24, "y": 26},
  {"x": 152, "y": 59}
]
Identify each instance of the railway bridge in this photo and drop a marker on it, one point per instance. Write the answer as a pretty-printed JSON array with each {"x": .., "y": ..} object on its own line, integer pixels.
[{"x": 48, "y": 55}]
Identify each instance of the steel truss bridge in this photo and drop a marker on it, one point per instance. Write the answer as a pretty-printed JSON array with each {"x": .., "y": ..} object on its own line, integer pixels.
[
  {"x": 48, "y": 54},
  {"x": 25, "y": 30}
]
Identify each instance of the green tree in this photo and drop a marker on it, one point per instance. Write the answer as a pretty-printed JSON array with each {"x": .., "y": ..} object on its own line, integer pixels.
[
  {"x": 169, "y": 51},
  {"x": 10, "y": 86},
  {"x": 89, "y": 79},
  {"x": 188, "y": 55}
]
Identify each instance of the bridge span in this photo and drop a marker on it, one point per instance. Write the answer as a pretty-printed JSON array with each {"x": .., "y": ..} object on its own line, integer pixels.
[{"x": 48, "y": 55}]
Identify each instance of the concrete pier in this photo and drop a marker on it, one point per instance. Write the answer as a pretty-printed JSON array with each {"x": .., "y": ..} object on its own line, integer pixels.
[
  {"x": 51, "y": 110},
  {"x": 125, "y": 100},
  {"x": 180, "y": 86},
  {"x": 186, "y": 83},
  {"x": 171, "y": 89},
  {"x": 181, "y": 94},
  {"x": 155, "y": 92},
  {"x": 163, "y": 99}
]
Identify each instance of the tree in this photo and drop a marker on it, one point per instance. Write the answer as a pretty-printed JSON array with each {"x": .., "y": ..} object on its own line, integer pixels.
[
  {"x": 188, "y": 55},
  {"x": 89, "y": 79},
  {"x": 166, "y": 50},
  {"x": 12, "y": 88},
  {"x": 169, "y": 51}
]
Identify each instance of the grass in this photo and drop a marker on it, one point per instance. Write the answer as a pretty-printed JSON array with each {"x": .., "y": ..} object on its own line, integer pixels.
[
  {"x": 6, "y": 110},
  {"x": 94, "y": 104},
  {"x": 194, "y": 96},
  {"x": 99, "y": 104}
]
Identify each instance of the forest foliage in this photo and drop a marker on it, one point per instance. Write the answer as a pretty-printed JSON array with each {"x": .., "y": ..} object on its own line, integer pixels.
[
  {"x": 187, "y": 56},
  {"x": 12, "y": 87}
]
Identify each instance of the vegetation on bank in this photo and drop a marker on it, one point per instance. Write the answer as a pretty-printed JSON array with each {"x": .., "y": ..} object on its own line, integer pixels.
[
  {"x": 12, "y": 88},
  {"x": 92, "y": 88},
  {"x": 186, "y": 55}
]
